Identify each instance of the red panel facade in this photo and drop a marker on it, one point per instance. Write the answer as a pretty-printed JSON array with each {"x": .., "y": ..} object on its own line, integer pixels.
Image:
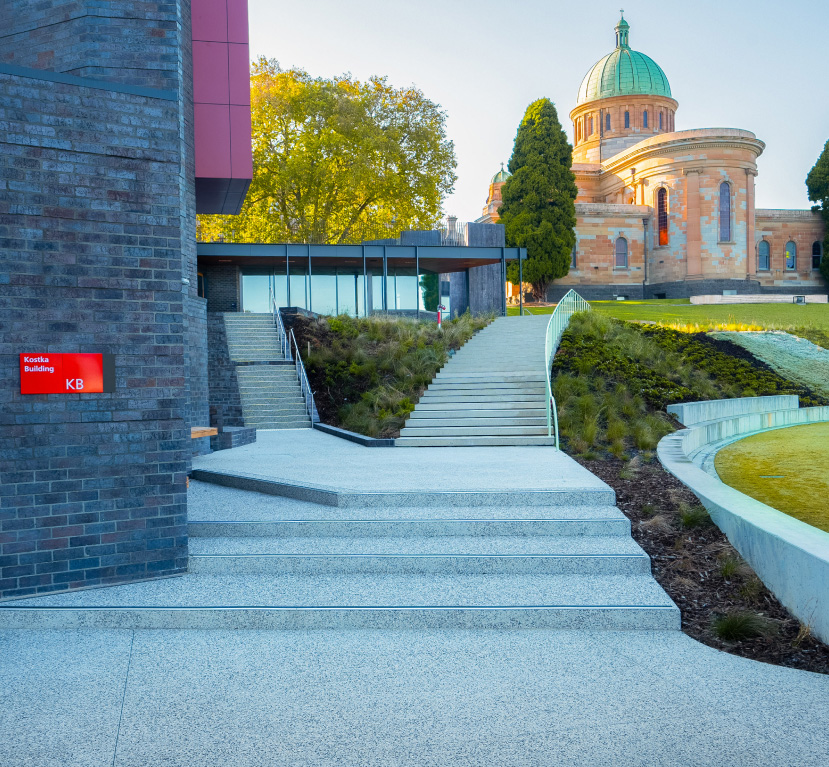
[{"x": 221, "y": 95}]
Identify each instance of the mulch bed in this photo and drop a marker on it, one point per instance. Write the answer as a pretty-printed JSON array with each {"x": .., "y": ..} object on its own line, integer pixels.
[{"x": 687, "y": 562}]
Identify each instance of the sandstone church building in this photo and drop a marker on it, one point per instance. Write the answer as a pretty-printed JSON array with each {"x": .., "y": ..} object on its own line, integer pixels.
[{"x": 666, "y": 213}]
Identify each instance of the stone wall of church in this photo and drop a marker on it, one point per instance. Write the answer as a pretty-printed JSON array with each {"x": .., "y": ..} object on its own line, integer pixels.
[
  {"x": 597, "y": 229},
  {"x": 778, "y": 228}
]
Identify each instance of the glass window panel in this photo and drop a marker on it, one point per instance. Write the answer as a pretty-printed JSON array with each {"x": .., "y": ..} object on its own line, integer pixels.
[
  {"x": 376, "y": 286},
  {"x": 621, "y": 252},
  {"x": 299, "y": 290},
  {"x": 256, "y": 289},
  {"x": 645, "y": 119},
  {"x": 817, "y": 254},
  {"x": 346, "y": 294},
  {"x": 725, "y": 212},
  {"x": 765, "y": 255},
  {"x": 791, "y": 255},
  {"x": 662, "y": 216},
  {"x": 324, "y": 293},
  {"x": 627, "y": 119}
]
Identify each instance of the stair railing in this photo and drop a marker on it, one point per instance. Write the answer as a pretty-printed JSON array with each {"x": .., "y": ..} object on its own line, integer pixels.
[
  {"x": 571, "y": 304},
  {"x": 308, "y": 395},
  {"x": 284, "y": 345}
]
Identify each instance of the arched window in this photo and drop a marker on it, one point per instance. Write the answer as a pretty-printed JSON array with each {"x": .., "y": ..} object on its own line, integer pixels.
[
  {"x": 763, "y": 256},
  {"x": 660, "y": 121},
  {"x": 607, "y": 122},
  {"x": 817, "y": 254},
  {"x": 791, "y": 255},
  {"x": 578, "y": 131},
  {"x": 590, "y": 127},
  {"x": 621, "y": 253},
  {"x": 662, "y": 215},
  {"x": 725, "y": 212},
  {"x": 645, "y": 119},
  {"x": 627, "y": 119}
]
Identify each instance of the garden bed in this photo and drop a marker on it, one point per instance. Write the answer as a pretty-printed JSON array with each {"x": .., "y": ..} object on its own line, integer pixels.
[{"x": 715, "y": 590}]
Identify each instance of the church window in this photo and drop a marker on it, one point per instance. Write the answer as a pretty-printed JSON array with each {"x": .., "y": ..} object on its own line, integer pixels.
[
  {"x": 725, "y": 212},
  {"x": 607, "y": 122},
  {"x": 645, "y": 119},
  {"x": 660, "y": 121},
  {"x": 817, "y": 254},
  {"x": 791, "y": 255},
  {"x": 590, "y": 127},
  {"x": 764, "y": 256},
  {"x": 627, "y": 119},
  {"x": 621, "y": 253},
  {"x": 662, "y": 215}
]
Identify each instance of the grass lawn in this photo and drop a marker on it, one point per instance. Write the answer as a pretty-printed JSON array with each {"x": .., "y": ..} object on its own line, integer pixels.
[
  {"x": 785, "y": 469},
  {"x": 809, "y": 321}
]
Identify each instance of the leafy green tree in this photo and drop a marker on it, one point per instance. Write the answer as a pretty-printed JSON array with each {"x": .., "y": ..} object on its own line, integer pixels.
[
  {"x": 338, "y": 161},
  {"x": 817, "y": 184},
  {"x": 430, "y": 285},
  {"x": 538, "y": 210}
]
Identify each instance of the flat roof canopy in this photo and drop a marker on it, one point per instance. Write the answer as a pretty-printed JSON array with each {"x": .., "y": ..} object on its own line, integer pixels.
[{"x": 431, "y": 258}]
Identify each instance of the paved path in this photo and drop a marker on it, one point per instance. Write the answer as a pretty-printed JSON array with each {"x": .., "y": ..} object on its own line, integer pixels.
[{"x": 416, "y": 694}]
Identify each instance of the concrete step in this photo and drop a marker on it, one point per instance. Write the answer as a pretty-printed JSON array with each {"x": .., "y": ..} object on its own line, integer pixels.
[
  {"x": 425, "y": 407},
  {"x": 471, "y": 413},
  {"x": 357, "y": 600},
  {"x": 475, "y": 431},
  {"x": 483, "y": 386},
  {"x": 447, "y": 377},
  {"x": 569, "y": 522},
  {"x": 455, "y": 421},
  {"x": 479, "y": 399},
  {"x": 476, "y": 441}
]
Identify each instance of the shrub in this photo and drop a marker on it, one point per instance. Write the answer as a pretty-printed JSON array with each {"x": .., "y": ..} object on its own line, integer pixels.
[
  {"x": 694, "y": 516},
  {"x": 738, "y": 625}
]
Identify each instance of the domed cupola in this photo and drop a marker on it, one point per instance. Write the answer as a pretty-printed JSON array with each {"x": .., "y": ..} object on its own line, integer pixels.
[
  {"x": 623, "y": 99},
  {"x": 501, "y": 176},
  {"x": 623, "y": 72}
]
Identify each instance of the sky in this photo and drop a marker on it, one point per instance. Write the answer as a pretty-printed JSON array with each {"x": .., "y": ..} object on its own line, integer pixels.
[{"x": 755, "y": 65}]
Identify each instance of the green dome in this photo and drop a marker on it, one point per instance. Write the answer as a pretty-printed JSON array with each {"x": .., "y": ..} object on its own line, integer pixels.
[
  {"x": 501, "y": 175},
  {"x": 623, "y": 72}
]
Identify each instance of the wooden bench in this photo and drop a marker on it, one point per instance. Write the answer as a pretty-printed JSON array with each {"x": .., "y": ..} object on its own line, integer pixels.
[{"x": 203, "y": 431}]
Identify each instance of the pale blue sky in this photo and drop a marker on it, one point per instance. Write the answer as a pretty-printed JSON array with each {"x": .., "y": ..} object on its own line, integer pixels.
[{"x": 759, "y": 66}]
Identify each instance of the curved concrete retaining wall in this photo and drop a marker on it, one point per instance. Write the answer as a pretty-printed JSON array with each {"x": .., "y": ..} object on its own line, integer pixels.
[
  {"x": 789, "y": 556},
  {"x": 690, "y": 413}
]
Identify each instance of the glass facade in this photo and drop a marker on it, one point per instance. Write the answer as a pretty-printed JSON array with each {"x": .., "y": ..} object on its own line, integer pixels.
[{"x": 333, "y": 290}]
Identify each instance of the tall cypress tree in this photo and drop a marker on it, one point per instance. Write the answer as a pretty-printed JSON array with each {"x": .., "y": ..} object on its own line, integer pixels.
[
  {"x": 817, "y": 184},
  {"x": 538, "y": 210}
]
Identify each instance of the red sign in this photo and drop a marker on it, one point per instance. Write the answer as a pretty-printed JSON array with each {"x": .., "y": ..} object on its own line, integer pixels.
[{"x": 47, "y": 373}]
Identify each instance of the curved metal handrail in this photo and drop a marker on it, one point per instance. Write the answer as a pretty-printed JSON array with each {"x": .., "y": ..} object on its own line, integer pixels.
[
  {"x": 569, "y": 305},
  {"x": 308, "y": 395}
]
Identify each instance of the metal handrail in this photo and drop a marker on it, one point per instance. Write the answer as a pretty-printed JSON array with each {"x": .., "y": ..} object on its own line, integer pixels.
[
  {"x": 308, "y": 395},
  {"x": 284, "y": 346},
  {"x": 569, "y": 305}
]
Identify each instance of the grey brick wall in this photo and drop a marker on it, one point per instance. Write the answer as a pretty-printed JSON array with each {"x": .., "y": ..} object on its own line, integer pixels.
[
  {"x": 123, "y": 41},
  {"x": 222, "y": 282},
  {"x": 224, "y": 386},
  {"x": 97, "y": 245}
]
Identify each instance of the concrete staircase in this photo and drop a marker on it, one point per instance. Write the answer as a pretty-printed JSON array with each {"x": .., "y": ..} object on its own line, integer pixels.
[
  {"x": 489, "y": 559},
  {"x": 491, "y": 392},
  {"x": 268, "y": 387}
]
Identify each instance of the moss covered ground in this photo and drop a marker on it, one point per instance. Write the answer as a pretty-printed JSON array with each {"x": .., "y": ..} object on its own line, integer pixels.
[{"x": 785, "y": 469}]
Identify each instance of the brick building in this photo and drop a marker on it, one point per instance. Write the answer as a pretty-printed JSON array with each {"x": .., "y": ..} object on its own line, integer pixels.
[
  {"x": 104, "y": 162},
  {"x": 663, "y": 213}
]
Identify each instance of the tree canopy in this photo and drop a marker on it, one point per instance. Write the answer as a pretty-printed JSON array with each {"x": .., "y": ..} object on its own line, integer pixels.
[
  {"x": 538, "y": 210},
  {"x": 817, "y": 184},
  {"x": 337, "y": 161}
]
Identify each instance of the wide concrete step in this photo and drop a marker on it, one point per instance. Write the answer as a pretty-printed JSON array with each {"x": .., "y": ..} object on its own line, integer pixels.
[
  {"x": 494, "y": 414},
  {"x": 274, "y": 426},
  {"x": 447, "y": 377},
  {"x": 422, "y": 564},
  {"x": 476, "y": 441},
  {"x": 455, "y": 421},
  {"x": 480, "y": 399},
  {"x": 483, "y": 386},
  {"x": 424, "y": 406},
  {"x": 355, "y": 600},
  {"x": 474, "y": 431},
  {"x": 414, "y": 523}
]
